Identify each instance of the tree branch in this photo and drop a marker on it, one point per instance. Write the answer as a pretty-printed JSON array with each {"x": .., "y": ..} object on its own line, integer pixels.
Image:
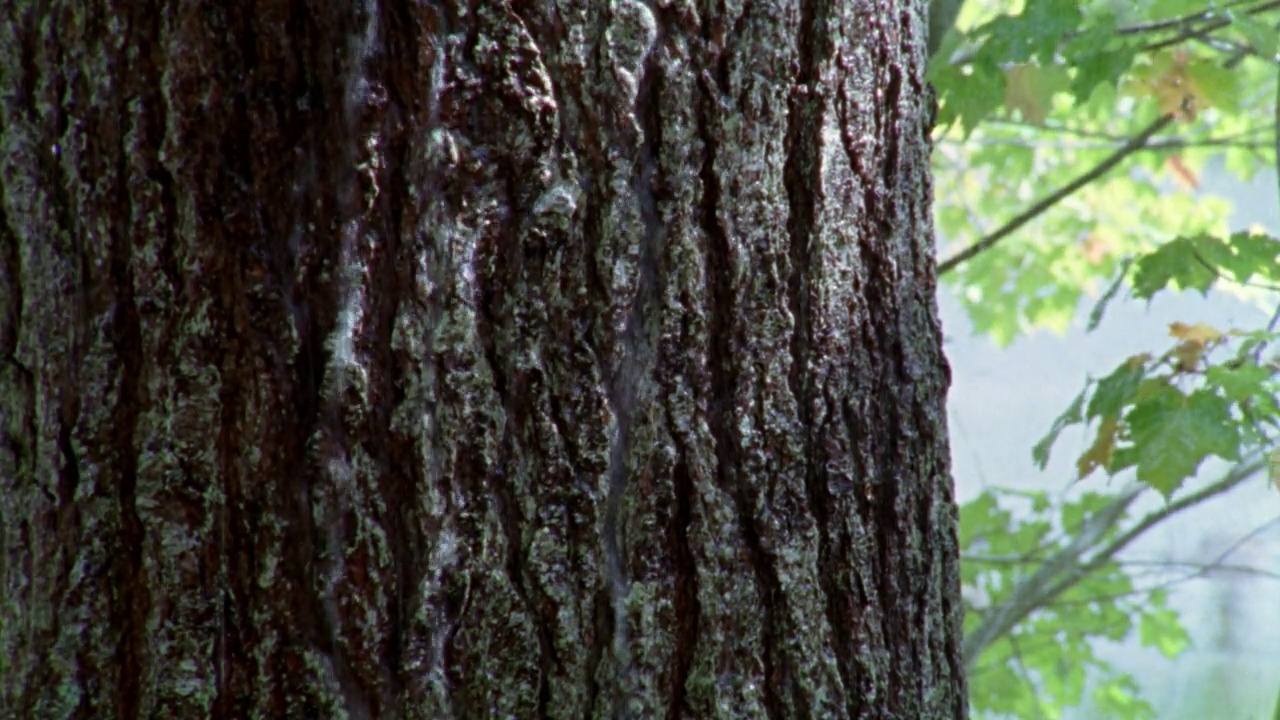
[
  {"x": 1208, "y": 27},
  {"x": 1026, "y": 597},
  {"x": 1063, "y": 570},
  {"x": 1137, "y": 142},
  {"x": 1164, "y": 144},
  {"x": 1171, "y": 23}
]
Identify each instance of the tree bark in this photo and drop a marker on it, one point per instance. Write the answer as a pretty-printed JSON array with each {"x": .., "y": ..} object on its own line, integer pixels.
[{"x": 491, "y": 359}]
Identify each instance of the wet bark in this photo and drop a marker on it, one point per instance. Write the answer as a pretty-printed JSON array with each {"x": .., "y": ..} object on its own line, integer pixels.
[{"x": 502, "y": 359}]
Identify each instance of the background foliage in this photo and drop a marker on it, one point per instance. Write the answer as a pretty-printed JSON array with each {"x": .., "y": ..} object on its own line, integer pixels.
[{"x": 1072, "y": 136}]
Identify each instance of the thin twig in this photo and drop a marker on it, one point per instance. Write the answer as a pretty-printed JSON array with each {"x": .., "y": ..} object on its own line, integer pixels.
[
  {"x": 1207, "y": 28},
  {"x": 1201, "y": 568},
  {"x": 1156, "y": 145},
  {"x": 1057, "y": 127},
  {"x": 1198, "y": 568},
  {"x": 1237, "y": 475},
  {"x": 1171, "y": 23},
  {"x": 1137, "y": 142},
  {"x": 1064, "y": 569}
]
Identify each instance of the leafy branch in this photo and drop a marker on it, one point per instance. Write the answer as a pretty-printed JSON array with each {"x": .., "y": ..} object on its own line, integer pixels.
[
  {"x": 1198, "y": 570},
  {"x": 1086, "y": 553},
  {"x": 1211, "y": 24},
  {"x": 1137, "y": 142},
  {"x": 1179, "y": 22}
]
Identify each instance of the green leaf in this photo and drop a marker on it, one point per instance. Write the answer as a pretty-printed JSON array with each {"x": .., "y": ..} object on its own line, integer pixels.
[
  {"x": 1262, "y": 36},
  {"x": 1096, "y": 57},
  {"x": 1172, "y": 434},
  {"x": 1071, "y": 416},
  {"x": 1214, "y": 84},
  {"x": 1254, "y": 254},
  {"x": 1176, "y": 262},
  {"x": 1161, "y": 629},
  {"x": 1035, "y": 33},
  {"x": 969, "y": 96},
  {"x": 1043, "y": 24},
  {"x": 1119, "y": 698},
  {"x": 1117, "y": 389},
  {"x": 1095, "y": 316},
  {"x": 1241, "y": 382}
]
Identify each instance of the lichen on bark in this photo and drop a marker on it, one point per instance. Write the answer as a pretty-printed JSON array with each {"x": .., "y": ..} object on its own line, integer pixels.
[{"x": 471, "y": 359}]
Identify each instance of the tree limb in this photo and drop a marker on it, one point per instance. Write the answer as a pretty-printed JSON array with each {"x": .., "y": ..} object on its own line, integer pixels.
[
  {"x": 1137, "y": 142},
  {"x": 1063, "y": 570}
]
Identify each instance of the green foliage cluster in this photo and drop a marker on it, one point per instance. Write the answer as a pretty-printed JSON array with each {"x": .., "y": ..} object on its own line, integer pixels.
[
  {"x": 1041, "y": 665},
  {"x": 1098, "y": 117}
]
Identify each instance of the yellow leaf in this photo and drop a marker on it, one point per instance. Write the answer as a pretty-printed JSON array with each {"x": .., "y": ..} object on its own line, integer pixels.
[
  {"x": 1029, "y": 89},
  {"x": 1099, "y": 454},
  {"x": 1095, "y": 248},
  {"x": 1165, "y": 80},
  {"x": 1199, "y": 332},
  {"x": 1182, "y": 175},
  {"x": 1188, "y": 354},
  {"x": 1137, "y": 361}
]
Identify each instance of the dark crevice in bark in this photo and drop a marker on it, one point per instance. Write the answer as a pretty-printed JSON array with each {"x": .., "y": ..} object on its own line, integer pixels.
[
  {"x": 20, "y": 428},
  {"x": 130, "y": 601},
  {"x": 133, "y": 594},
  {"x": 11, "y": 289},
  {"x": 548, "y": 664},
  {"x": 876, "y": 436},
  {"x": 890, "y": 109},
  {"x": 515, "y": 392},
  {"x": 687, "y": 610},
  {"x": 602, "y": 626},
  {"x": 491, "y": 313},
  {"x": 804, "y": 183},
  {"x": 68, "y": 527},
  {"x": 603, "y": 649},
  {"x": 398, "y": 481},
  {"x": 27, "y": 81},
  {"x": 312, "y": 299},
  {"x": 722, "y": 362}
]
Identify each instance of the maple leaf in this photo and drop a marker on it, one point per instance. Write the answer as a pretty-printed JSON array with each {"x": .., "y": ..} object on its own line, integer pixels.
[
  {"x": 1173, "y": 433},
  {"x": 1026, "y": 90},
  {"x": 1201, "y": 333},
  {"x": 1196, "y": 341},
  {"x": 1099, "y": 454},
  {"x": 1165, "y": 80}
]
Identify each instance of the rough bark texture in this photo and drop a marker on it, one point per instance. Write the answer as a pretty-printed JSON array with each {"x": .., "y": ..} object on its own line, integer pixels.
[{"x": 505, "y": 359}]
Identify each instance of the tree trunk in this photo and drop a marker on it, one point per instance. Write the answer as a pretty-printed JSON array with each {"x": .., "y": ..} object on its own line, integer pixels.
[{"x": 504, "y": 359}]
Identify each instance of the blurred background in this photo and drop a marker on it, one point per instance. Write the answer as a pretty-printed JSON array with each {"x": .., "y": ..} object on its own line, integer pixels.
[{"x": 1003, "y": 401}]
